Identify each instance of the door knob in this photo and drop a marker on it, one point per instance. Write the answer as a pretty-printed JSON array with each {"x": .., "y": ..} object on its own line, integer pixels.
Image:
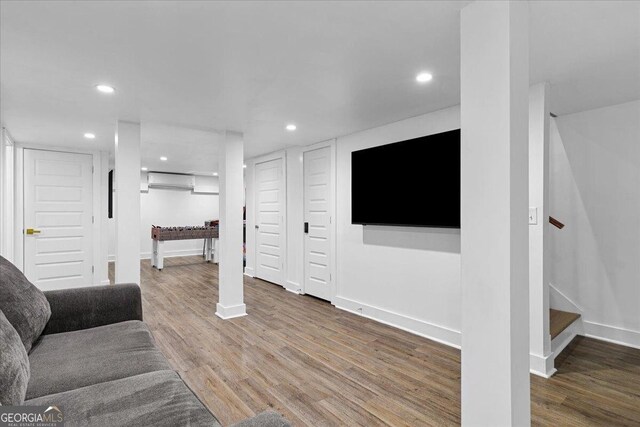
[{"x": 32, "y": 231}]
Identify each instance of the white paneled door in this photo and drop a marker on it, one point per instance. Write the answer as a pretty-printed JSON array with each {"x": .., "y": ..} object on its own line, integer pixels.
[
  {"x": 317, "y": 227},
  {"x": 58, "y": 235},
  {"x": 270, "y": 208}
]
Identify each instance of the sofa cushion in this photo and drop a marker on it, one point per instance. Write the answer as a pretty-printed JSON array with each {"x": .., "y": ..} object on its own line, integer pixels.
[
  {"x": 14, "y": 365},
  {"x": 69, "y": 360},
  {"x": 264, "y": 419},
  {"x": 23, "y": 304},
  {"x": 151, "y": 399}
]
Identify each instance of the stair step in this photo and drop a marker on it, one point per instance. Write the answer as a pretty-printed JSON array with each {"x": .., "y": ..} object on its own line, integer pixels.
[{"x": 560, "y": 320}]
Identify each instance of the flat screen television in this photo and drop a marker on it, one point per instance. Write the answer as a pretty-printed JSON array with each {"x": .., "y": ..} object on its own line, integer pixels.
[
  {"x": 110, "y": 190},
  {"x": 413, "y": 183}
]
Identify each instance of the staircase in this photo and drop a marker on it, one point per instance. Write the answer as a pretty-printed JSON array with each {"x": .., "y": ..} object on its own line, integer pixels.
[
  {"x": 560, "y": 320},
  {"x": 564, "y": 326}
]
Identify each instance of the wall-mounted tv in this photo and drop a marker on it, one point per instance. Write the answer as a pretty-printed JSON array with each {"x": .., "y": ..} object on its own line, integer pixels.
[
  {"x": 413, "y": 183},
  {"x": 110, "y": 190}
]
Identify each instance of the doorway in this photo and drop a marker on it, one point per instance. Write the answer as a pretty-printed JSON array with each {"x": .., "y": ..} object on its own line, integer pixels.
[
  {"x": 319, "y": 236},
  {"x": 58, "y": 218},
  {"x": 270, "y": 220}
]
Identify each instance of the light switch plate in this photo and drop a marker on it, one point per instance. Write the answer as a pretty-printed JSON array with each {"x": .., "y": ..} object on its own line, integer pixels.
[{"x": 533, "y": 216}]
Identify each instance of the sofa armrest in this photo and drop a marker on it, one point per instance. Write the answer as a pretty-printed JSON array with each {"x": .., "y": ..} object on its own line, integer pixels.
[
  {"x": 83, "y": 308},
  {"x": 264, "y": 419}
]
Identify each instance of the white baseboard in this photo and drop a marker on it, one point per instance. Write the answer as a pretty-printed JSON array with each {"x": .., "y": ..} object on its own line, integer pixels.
[
  {"x": 231, "y": 312},
  {"x": 542, "y": 366},
  {"x": 293, "y": 287},
  {"x": 105, "y": 282},
  {"x": 612, "y": 334},
  {"x": 419, "y": 327},
  {"x": 249, "y": 271}
]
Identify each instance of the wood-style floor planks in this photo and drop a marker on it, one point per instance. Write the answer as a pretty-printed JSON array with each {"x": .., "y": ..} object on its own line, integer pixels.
[{"x": 320, "y": 366}]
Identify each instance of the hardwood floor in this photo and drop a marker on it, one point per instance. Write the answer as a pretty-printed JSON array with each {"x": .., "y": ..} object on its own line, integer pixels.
[{"x": 321, "y": 366}]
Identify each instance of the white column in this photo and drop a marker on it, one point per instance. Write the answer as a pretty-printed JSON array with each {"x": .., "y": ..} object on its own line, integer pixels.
[
  {"x": 127, "y": 202},
  {"x": 494, "y": 199},
  {"x": 7, "y": 198},
  {"x": 230, "y": 275},
  {"x": 102, "y": 269},
  {"x": 3, "y": 235},
  {"x": 540, "y": 338}
]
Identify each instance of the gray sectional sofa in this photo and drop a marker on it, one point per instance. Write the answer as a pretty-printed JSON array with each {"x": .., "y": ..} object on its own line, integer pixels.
[{"x": 88, "y": 352}]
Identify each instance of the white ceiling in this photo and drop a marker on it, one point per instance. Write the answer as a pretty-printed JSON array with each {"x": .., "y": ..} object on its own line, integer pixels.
[{"x": 187, "y": 69}]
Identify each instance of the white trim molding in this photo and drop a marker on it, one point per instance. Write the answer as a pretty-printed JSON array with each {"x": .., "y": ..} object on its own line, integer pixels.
[
  {"x": 560, "y": 301},
  {"x": 231, "y": 312},
  {"x": 294, "y": 287},
  {"x": 249, "y": 271},
  {"x": 612, "y": 334},
  {"x": 542, "y": 366},
  {"x": 431, "y": 331}
]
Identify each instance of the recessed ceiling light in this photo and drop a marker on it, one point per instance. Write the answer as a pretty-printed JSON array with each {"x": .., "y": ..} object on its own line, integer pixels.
[
  {"x": 244, "y": 166},
  {"x": 89, "y": 135},
  {"x": 215, "y": 174},
  {"x": 144, "y": 168},
  {"x": 291, "y": 127},
  {"x": 105, "y": 88},
  {"x": 163, "y": 158},
  {"x": 424, "y": 77}
]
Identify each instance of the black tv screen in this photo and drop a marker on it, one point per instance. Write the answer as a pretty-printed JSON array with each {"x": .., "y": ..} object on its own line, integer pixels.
[
  {"x": 409, "y": 183},
  {"x": 110, "y": 190}
]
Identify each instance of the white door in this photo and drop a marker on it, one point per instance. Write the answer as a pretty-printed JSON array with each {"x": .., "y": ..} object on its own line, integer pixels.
[
  {"x": 270, "y": 207},
  {"x": 58, "y": 219},
  {"x": 317, "y": 217}
]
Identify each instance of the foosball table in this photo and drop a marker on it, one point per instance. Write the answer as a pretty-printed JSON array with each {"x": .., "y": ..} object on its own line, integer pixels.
[{"x": 159, "y": 235}]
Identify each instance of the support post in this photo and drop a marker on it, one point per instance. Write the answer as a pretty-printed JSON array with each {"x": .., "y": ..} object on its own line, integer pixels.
[
  {"x": 230, "y": 276},
  {"x": 494, "y": 199},
  {"x": 127, "y": 202},
  {"x": 540, "y": 338}
]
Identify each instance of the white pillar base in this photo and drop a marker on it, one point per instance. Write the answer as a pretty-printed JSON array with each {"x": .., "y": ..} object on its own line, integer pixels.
[
  {"x": 542, "y": 366},
  {"x": 231, "y": 312}
]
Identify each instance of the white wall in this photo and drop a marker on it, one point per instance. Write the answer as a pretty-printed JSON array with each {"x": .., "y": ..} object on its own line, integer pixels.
[
  {"x": 595, "y": 192},
  {"x": 408, "y": 277},
  {"x": 167, "y": 207},
  {"x": 294, "y": 261},
  {"x": 7, "y": 205}
]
